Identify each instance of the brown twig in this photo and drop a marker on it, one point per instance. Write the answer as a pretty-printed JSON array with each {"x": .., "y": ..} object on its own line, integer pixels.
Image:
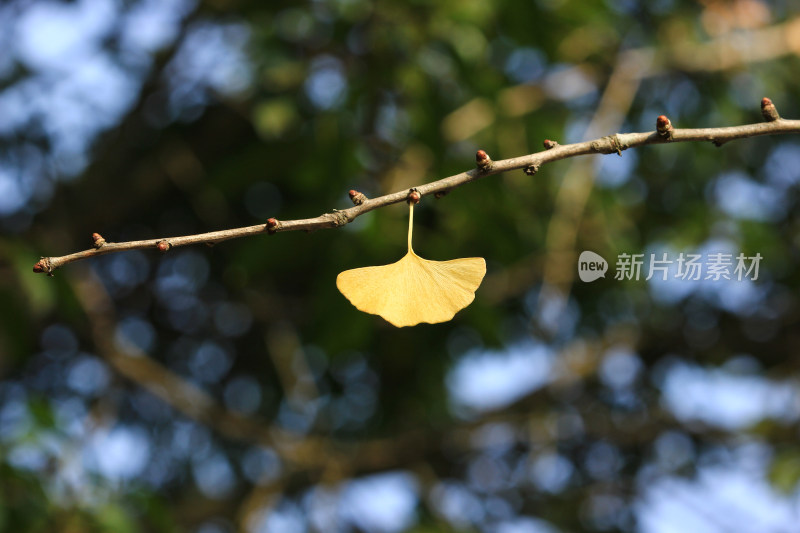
[{"x": 611, "y": 144}]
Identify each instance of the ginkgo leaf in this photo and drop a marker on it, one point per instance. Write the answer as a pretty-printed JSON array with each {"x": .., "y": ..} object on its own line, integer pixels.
[{"x": 414, "y": 290}]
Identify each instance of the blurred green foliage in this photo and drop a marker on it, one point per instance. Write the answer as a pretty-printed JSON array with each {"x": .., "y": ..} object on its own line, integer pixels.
[{"x": 298, "y": 102}]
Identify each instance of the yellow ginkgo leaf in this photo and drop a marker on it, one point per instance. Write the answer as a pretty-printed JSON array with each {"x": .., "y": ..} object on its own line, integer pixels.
[{"x": 414, "y": 290}]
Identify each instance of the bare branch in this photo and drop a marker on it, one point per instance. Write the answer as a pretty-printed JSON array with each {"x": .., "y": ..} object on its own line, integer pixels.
[{"x": 531, "y": 163}]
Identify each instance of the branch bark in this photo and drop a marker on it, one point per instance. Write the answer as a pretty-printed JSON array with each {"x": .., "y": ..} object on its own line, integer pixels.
[{"x": 530, "y": 163}]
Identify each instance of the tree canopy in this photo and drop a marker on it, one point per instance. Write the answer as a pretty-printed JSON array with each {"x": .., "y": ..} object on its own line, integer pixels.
[{"x": 232, "y": 387}]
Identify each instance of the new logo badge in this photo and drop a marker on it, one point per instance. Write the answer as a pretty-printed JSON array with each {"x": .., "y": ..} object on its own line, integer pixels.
[{"x": 591, "y": 266}]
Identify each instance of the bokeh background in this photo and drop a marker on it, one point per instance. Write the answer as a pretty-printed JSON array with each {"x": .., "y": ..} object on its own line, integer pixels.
[{"x": 232, "y": 388}]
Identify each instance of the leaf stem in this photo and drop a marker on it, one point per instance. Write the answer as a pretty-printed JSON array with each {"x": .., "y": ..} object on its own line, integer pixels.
[{"x": 410, "y": 225}]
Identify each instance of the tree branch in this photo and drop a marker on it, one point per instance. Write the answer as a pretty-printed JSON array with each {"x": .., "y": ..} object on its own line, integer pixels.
[{"x": 530, "y": 163}]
